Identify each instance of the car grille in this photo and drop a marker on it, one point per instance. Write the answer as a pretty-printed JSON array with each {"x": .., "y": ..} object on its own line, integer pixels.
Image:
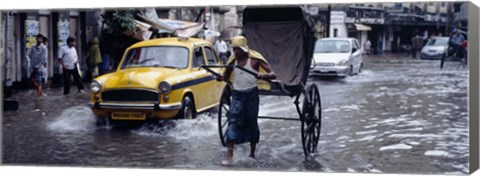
[
  {"x": 130, "y": 95},
  {"x": 325, "y": 64}
]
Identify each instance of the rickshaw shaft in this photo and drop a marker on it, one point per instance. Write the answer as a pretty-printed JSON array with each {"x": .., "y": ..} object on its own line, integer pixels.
[{"x": 277, "y": 118}]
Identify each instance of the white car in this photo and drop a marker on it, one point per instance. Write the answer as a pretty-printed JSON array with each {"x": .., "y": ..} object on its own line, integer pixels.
[
  {"x": 436, "y": 48},
  {"x": 337, "y": 57}
]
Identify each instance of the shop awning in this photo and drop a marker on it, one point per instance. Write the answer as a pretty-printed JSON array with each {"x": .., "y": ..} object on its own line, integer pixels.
[
  {"x": 361, "y": 27},
  {"x": 181, "y": 28}
]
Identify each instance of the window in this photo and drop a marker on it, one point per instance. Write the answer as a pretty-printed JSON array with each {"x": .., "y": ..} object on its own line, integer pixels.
[
  {"x": 198, "y": 58},
  {"x": 332, "y": 46},
  {"x": 211, "y": 57},
  {"x": 335, "y": 32},
  {"x": 356, "y": 45},
  {"x": 164, "y": 56}
]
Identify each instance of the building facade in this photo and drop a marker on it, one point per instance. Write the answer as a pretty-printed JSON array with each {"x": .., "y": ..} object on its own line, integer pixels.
[
  {"x": 390, "y": 26},
  {"x": 19, "y": 31}
]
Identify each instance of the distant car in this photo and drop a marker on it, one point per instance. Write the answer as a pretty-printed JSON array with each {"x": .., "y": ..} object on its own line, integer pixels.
[
  {"x": 436, "y": 48},
  {"x": 337, "y": 57},
  {"x": 159, "y": 78}
]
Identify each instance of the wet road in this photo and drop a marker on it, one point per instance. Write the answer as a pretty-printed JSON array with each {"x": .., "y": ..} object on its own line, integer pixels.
[{"x": 398, "y": 116}]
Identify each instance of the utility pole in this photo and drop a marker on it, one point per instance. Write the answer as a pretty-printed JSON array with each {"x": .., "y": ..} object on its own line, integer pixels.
[
  {"x": 329, "y": 11},
  {"x": 449, "y": 11}
]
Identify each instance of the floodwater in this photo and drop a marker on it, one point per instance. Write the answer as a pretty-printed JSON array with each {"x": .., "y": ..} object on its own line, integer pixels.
[{"x": 398, "y": 116}]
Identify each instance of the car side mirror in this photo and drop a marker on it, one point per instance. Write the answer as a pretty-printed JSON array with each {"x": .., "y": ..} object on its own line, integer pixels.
[{"x": 354, "y": 50}]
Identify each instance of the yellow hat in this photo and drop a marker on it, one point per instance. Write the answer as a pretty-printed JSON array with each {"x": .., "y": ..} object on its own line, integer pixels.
[{"x": 241, "y": 42}]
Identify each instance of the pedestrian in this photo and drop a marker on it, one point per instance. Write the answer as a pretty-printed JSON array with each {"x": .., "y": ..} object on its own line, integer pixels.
[
  {"x": 94, "y": 58},
  {"x": 242, "y": 118},
  {"x": 45, "y": 73},
  {"x": 456, "y": 40},
  {"x": 425, "y": 38},
  {"x": 38, "y": 57},
  {"x": 367, "y": 47},
  {"x": 68, "y": 58},
  {"x": 417, "y": 44},
  {"x": 222, "y": 49}
]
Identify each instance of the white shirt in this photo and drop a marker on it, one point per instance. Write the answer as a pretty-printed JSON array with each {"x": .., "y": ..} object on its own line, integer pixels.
[
  {"x": 69, "y": 57},
  {"x": 221, "y": 46}
]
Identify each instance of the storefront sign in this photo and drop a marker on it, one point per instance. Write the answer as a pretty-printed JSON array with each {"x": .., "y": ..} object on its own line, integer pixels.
[
  {"x": 337, "y": 17},
  {"x": 31, "y": 30},
  {"x": 63, "y": 32},
  {"x": 365, "y": 20}
]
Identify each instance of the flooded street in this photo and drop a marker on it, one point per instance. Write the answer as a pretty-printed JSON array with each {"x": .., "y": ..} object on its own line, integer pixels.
[{"x": 398, "y": 116}]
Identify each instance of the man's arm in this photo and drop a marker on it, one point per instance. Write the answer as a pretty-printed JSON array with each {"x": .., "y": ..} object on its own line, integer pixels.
[
  {"x": 60, "y": 57},
  {"x": 226, "y": 73},
  {"x": 270, "y": 74}
]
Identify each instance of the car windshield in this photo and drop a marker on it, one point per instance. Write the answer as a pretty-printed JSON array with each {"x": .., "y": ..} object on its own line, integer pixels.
[
  {"x": 158, "y": 56},
  {"x": 332, "y": 46},
  {"x": 438, "y": 42}
]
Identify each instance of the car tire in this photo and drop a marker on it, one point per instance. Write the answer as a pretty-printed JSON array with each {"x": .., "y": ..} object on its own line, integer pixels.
[
  {"x": 103, "y": 121},
  {"x": 188, "y": 109},
  {"x": 350, "y": 71}
]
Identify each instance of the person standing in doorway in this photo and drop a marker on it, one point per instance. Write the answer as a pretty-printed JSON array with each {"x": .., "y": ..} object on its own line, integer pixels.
[
  {"x": 68, "y": 58},
  {"x": 367, "y": 47},
  {"x": 242, "y": 118},
  {"x": 38, "y": 57},
  {"x": 94, "y": 58}
]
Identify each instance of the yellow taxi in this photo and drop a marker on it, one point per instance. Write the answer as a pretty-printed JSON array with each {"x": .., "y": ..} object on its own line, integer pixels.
[{"x": 160, "y": 78}]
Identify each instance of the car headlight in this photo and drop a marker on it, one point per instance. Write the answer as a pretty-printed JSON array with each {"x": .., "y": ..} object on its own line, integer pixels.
[
  {"x": 95, "y": 87},
  {"x": 343, "y": 63},
  {"x": 164, "y": 87}
]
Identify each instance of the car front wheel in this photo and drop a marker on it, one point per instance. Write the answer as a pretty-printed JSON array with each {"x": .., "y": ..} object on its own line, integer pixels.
[
  {"x": 188, "y": 110},
  {"x": 350, "y": 71}
]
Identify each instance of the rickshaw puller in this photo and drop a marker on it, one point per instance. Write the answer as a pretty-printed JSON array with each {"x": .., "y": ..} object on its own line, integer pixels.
[{"x": 243, "y": 114}]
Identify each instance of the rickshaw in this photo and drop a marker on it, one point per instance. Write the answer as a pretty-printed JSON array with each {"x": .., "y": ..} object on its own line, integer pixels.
[{"x": 285, "y": 37}]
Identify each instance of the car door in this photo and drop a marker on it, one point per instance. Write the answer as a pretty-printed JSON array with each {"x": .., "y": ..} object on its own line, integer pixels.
[
  {"x": 215, "y": 86},
  {"x": 355, "y": 55},
  {"x": 201, "y": 78},
  {"x": 360, "y": 56}
]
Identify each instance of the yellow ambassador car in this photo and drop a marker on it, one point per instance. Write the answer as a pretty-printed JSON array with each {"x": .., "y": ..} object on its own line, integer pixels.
[{"x": 159, "y": 78}]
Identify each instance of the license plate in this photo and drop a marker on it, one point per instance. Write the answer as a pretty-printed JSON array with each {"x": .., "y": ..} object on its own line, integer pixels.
[{"x": 128, "y": 116}]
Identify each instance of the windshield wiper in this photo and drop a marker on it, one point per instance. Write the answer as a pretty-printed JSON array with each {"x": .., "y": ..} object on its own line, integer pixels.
[{"x": 146, "y": 60}]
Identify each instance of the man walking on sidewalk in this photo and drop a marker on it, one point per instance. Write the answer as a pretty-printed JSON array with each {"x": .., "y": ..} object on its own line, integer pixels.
[{"x": 68, "y": 58}]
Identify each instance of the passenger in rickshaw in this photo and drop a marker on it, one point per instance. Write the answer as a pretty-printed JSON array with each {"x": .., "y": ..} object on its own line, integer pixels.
[
  {"x": 242, "y": 123},
  {"x": 456, "y": 42}
]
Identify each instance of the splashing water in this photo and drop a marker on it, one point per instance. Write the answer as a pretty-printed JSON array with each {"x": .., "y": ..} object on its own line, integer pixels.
[
  {"x": 203, "y": 126},
  {"x": 77, "y": 118}
]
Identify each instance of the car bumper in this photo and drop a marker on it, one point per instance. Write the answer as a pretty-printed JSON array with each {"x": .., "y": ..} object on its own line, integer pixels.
[
  {"x": 329, "y": 71},
  {"x": 152, "y": 110},
  {"x": 99, "y": 105},
  {"x": 432, "y": 56}
]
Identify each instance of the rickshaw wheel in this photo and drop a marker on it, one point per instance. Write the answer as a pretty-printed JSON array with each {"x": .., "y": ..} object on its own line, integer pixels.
[
  {"x": 223, "y": 111},
  {"x": 311, "y": 119}
]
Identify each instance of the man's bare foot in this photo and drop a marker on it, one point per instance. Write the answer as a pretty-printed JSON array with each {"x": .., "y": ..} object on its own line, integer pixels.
[{"x": 227, "y": 162}]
